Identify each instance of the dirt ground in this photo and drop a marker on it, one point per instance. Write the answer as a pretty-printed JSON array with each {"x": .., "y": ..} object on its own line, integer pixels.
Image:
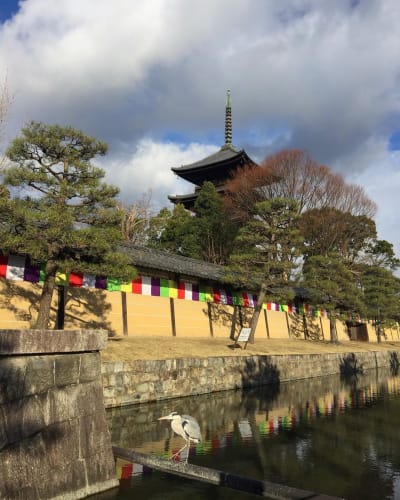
[{"x": 149, "y": 347}]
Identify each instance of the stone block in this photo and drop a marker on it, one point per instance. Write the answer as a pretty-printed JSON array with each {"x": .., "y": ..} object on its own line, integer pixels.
[
  {"x": 39, "y": 374},
  {"x": 90, "y": 398},
  {"x": 118, "y": 367},
  {"x": 100, "y": 469},
  {"x": 94, "y": 436},
  {"x": 10, "y": 482},
  {"x": 143, "y": 387},
  {"x": 63, "y": 404},
  {"x": 24, "y": 417},
  {"x": 51, "y": 341},
  {"x": 3, "y": 434},
  {"x": 66, "y": 369},
  {"x": 21, "y": 464},
  {"x": 12, "y": 378},
  {"x": 66, "y": 481},
  {"x": 90, "y": 368},
  {"x": 61, "y": 443}
]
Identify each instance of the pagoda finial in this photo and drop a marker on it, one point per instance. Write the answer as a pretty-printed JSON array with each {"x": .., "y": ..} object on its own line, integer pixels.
[{"x": 228, "y": 119}]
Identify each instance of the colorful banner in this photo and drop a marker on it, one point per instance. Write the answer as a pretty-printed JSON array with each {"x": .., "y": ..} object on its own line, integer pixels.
[{"x": 18, "y": 268}]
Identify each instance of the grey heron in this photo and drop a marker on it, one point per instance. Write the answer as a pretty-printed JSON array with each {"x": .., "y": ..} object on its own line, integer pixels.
[{"x": 186, "y": 427}]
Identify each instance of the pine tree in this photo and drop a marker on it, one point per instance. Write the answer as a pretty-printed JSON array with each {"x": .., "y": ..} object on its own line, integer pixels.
[
  {"x": 59, "y": 211},
  {"x": 212, "y": 228},
  {"x": 381, "y": 288},
  {"x": 206, "y": 234},
  {"x": 171, "y": 231},
  {"x": 267, "y": 247},
  {"x": 331, "y": 284}
]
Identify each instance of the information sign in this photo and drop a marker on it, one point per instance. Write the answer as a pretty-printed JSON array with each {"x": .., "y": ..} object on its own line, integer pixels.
[{"x": 243, "y": 336}]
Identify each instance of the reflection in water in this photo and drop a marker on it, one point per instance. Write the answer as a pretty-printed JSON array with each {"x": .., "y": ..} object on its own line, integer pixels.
[{"x": 333, "y": 435}]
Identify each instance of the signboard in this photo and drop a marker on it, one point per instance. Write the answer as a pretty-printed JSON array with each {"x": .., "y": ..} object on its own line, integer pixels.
[{"x": 244, "y": 335}]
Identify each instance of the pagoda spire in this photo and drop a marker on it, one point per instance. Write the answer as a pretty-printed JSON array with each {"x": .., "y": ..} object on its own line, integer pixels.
[{"x": 228, "y": 120}]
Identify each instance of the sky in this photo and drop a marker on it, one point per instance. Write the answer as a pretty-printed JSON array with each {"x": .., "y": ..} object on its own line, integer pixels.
[{"x": 150, "y": 79}]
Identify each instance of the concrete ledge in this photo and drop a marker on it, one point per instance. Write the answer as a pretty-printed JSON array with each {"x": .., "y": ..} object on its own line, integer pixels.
[
  {"x": 219, "y": 478},
  {"x": 17, "y": 342}
]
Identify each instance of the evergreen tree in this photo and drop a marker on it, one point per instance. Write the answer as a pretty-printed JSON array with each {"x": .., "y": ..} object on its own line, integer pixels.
[
  {"x": 267, "y": 247},
  {"x": 213, "y": 230},
  {"x": 172, "y": 231},
  {"x": 331, "y": 284},
  {"x": 206, "y": 234},
  {"x": 335, "y": 243},
  {"x": 59, "y": 211},
  {"x": 381, "y": 253},
  {"x": 381, "y": 295}
]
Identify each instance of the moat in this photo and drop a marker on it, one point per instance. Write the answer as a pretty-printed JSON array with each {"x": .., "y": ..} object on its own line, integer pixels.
[{"x": 330, "y": 435}]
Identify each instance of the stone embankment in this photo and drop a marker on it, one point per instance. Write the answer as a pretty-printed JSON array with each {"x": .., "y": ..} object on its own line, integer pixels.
[
  {"x": 54, "y": 439},
  {"x": 140, "y": 381}
]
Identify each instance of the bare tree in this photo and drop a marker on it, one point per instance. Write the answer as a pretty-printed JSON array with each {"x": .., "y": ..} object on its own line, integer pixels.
[
  {"x": 135, "y": 220},
  {"x": 248, "y": 186},
  {"x": 298, "y": 176},
  {"x": 294, "y": 174}
]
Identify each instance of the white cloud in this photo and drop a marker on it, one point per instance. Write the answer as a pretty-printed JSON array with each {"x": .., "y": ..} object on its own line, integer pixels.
[
  {"x": 380, "y": 177},
  {"x": 311, "y": 74},
  {"x": 148, "y": 168}
]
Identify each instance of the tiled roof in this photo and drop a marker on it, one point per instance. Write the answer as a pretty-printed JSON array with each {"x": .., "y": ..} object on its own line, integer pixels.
[
  {"x": 222, "y": 155},
  {"x": 150, "y": 259},
  {"x": 161, "y": 260}
]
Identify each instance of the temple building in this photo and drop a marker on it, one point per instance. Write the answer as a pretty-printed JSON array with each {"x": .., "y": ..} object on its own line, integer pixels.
[{"x": 217, "y": 168}]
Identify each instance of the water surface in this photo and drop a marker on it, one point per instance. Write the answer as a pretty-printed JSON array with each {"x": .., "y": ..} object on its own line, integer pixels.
[{"x": 330, "y": 435}]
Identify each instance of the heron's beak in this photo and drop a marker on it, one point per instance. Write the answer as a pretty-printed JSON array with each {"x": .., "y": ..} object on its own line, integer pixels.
[{"x": 164, "y": 418}]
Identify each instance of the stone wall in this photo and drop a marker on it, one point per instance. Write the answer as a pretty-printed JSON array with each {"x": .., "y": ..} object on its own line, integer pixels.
[
  {"x": 126, "y": 383},
  {"x": 54, "y": 439}
]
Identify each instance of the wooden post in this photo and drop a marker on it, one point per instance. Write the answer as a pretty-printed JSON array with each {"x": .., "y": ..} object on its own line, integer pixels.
[
  {"x": 172, "y": 309},
  {"x": 240, "y": 316},
  {"x": 322, "y": 328},
  {"x": 287, "y": 323},
  {"x": 61, "y": 307},
  {"x": 124, "y": 314},
  {"x": 266, "y": 322},
  {"x": 210, "y": 319},
  {"x": 305, "y": 327},
  {"x": 233, "y": 327}
]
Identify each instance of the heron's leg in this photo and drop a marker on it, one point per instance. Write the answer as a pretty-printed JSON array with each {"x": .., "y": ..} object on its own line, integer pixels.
[
  {"x": 188, "y": 453},
  {"x": 177, "y": 453}
]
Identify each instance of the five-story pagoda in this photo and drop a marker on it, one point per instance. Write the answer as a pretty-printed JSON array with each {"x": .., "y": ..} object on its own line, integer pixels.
[{"x": 217, "y": 168}]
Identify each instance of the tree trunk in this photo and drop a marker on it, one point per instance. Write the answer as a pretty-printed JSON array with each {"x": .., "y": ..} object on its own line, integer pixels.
[
  {"x": 256, "y": 314},
  {"x": 61, "y": 307},
  {"x": 332, "y": 328},
  {"x": 305, "y": 327},
  {"x": 379, "y": 333},
  {"x": 42, "y": 321}
]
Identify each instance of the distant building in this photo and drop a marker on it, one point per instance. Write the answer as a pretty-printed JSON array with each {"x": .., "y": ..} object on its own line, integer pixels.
[{"x": 217, "y": 168}]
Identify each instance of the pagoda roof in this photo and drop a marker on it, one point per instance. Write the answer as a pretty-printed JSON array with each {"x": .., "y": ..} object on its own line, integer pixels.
[
  {"x": 187, "y": 200},
  {"x": 216, "y": 167}
]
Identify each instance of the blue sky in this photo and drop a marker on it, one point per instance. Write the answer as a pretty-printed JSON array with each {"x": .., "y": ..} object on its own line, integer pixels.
[
  {"x": 7, "y": 9},
  {"x": 150, "y": 78}
]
